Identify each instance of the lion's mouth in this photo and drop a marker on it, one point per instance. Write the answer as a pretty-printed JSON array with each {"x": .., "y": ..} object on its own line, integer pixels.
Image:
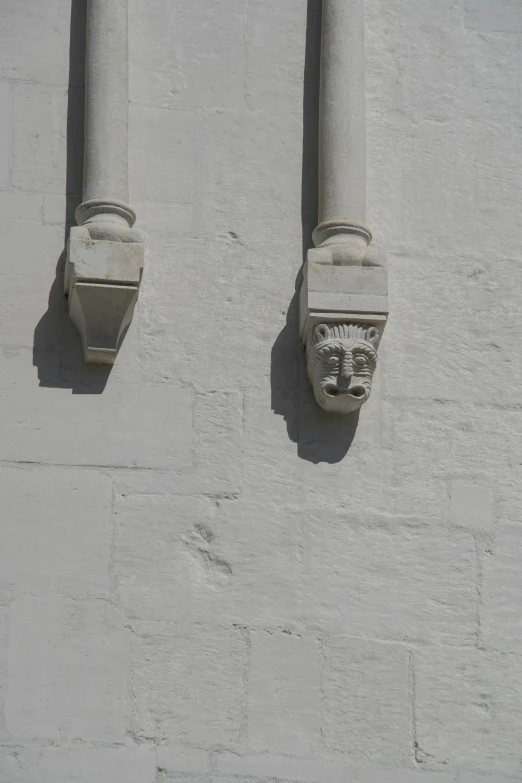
[{"x": 334, "y": 391}]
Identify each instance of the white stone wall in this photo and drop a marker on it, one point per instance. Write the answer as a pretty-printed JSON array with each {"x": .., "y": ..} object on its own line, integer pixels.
[{"x": 202, "y": 578}]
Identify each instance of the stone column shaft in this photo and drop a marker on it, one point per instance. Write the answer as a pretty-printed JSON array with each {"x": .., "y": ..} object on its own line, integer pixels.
[
  {"x": 105, "y": 254},
  {"x": 106, "y": 101},
  {"x": 342, "y": 123}
]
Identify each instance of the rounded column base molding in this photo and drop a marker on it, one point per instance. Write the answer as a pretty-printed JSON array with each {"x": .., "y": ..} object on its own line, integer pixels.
[{"x": 337, "y": 230}]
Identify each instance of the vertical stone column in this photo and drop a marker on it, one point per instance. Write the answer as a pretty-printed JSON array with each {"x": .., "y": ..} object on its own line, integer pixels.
[
  {"x": 105, "y": 254},
  {"x": 343, "y": 305},
  {"x": 342, "y": 127}
]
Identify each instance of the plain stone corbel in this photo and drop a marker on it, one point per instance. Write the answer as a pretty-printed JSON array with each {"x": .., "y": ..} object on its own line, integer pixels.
[
  {"x": 104, "y": 254},
  {"x": 344, "y": 295}
]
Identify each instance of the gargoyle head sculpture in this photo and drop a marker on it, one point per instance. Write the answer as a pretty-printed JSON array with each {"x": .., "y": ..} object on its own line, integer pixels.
[{"x": 341, "y": 359}]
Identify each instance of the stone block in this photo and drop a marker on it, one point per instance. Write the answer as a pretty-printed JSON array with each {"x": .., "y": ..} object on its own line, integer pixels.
[
  {"x": 472, "y": 329},
  {"x": 471, "y": 777},
  {"x": 468, "y": 708},
  {"x": 41, "y": 31},
  {"x": 3, "y": 671},
  {"x": 234, "y": 332},
  {"x": 217, "y": 444},
  {"x": 184, "y": 558},
  {"x": 187, "y": 683},
  {"x": 56, "y": 529},
  {"x": 101, "y": 260},
  {"x": 332, "y": 292},
  {"x": 471, "y": 506},
  {"x": 175, "y": 759},
  {"x": 450, "y": 193},
  {"x": 285, "y": 693},
  {"x": 285, "y": 768},
  {"x": 259, "y": 155},
  {"x": 342, "y": 471},
  {"x": 269, "y": 436},
  {"x": 501, "y": 622},
  {"x": 67, "y": 671},
  {"x": 276, "y": 55},
  {"x": 432, "y": 442},
  {"x": 366, "y": 705},
  {"x": 164, "y": 219},
  {"x": 30, "y": 254},
  {"x": 374, "y": 775},
  {"x": 493, "y": 17},
  {"x": 40, "y": 162},
  {"x": 21, "y": 206},
  {"x": 509, "y": 495},
  {"x": 124, "y": 426},
  {"x": 188, "y": 55},
  {"x": 5, "y": 134},
  {"x": 78, "y": 765},
  {"x": 418, "y": 585},
  {"x": 58, "y": 210},
  {"x": 216, "y": 448},
  {"x": 161, "y": 154}
]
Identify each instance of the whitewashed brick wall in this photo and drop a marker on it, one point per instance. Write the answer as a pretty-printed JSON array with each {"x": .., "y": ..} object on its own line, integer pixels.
[{"x": 201, "y": 577}]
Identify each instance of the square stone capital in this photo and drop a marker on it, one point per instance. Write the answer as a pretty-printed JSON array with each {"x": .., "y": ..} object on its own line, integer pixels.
[
  {"x": 331, "y": 292},
  {"x": 102, "y": 279}
]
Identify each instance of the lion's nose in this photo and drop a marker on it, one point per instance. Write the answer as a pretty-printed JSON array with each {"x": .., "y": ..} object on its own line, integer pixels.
[{"x": 346, "y": 368}]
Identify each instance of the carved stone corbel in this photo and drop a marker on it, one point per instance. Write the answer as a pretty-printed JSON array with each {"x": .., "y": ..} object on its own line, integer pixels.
[
  {"x": 105, "y": 254},
  {"x": 344, "y": 295}
]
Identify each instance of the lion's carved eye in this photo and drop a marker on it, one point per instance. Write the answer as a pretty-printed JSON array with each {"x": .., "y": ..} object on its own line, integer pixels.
[
  {"x": 333, "y": 359},
  {"x": 360, "y": 360}
]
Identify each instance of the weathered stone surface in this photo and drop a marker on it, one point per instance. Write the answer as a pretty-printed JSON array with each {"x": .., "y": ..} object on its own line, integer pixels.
[
  {"x": 285, "y": 693},
  {"x": 471, "y": 506},
  {"x": 432, "y": 442},
  {"x": 468, "y": 708},
  {"x": 235, "y": 331},
  {"x": 22, "y": 206},
  {"x": 269, "y": 438},
  {"x": 161, "y": 162},
  {"x": 448, "y": 105},
  {"x": 67, "y": 671},
  {"x": 174, "y": 759},
  {"x": 483, "y": 305},
  {"x": 284, "y": 768},
  {"x": 373, "y": 775},
  {"x": 126, "y": 424},
  {"x": 238, "y": 503},
  {"x": 501, "y": 622},
  {"x": 216, "y": 450},
  {"x": 3, "y": 670},
  {"x": 187, "y": 683},
  {"x": 5, "y": 135},
  {"x": 39, "y": 30},
  {"x": 259, "y": 156},
  {"x": 366, "y": 707},
  {"x": 190, "y": 54},
  {"x": 40, "y": 163},
  {"x": 66, "y": 549},
  {"x": 501, "y": 16},
  {"x": 276, "y": 46},
  {"x": 30, "y": 254},
  {"x": 418, "y": 585},
  {"x": 212, "y": 563},
  {"x": 164, "y": 219},
  {"x": 78, "y": 765}
]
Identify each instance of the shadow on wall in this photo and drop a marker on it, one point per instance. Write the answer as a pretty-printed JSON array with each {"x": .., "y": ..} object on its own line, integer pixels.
[
  {"x": 57, "y": 351},
  {"x": 320, "y": 437}
]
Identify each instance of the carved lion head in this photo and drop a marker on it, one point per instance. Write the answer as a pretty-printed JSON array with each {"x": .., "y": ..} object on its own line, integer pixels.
[{"x": 341, "y": 360}]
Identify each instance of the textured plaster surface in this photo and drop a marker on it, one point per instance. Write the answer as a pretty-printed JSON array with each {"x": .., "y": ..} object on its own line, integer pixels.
[{"x": 202, "y": 577}]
